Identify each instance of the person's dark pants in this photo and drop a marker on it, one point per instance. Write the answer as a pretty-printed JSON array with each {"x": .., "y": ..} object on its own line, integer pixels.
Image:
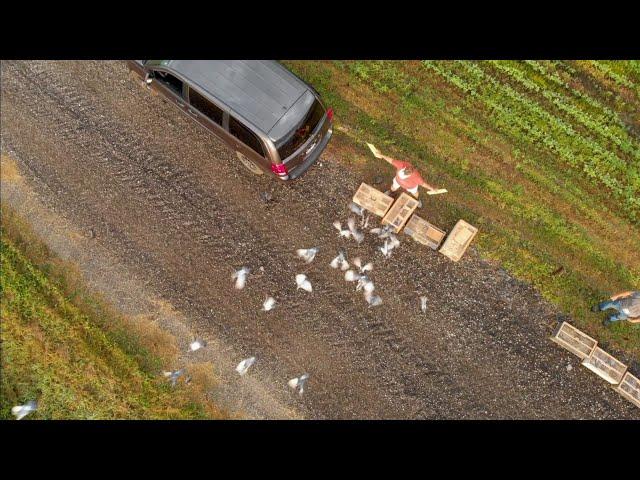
[{"x": 614, "y": 305}]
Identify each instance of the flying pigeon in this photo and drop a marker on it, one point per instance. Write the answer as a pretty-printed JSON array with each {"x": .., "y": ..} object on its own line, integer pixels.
[
  {"x": 244, "y": 365},
  {"x": 372, "y": 300},
  {"x": 357, "y": 209},
  {"x": 357, "y": 236},
  {"x": 173, "y": 376},
  {"x": 394, "y": 242},
  {"x": 21, "y": 411},
  {"x": 197, "y": 345},
  {"x": 363, "y": 268},
  {"x": 365, "y": 283},
  {"x": 340, "y": 261},
  {"x": 241, "y": 277},
  {"x": 364, "y": 221},
  {"x": 423, "y": 304},
  {"x": 351, "y": 276},
  {"x": 307, "y": 254},
  {"x": 298, "y": 383},
  {"x": 341, "y": 231},
  {"x": 382, "y": 232},
  {"x": 303, "y": 282},
  {"x": 386, "y": 249},
  {"x": 268, "y": 304}
]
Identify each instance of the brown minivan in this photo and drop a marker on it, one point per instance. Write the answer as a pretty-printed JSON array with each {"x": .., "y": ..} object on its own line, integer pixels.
[{"x": 274, "y": 121}]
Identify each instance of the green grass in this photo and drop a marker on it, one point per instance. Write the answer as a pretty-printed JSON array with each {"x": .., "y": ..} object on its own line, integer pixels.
[
  {"x": 64, "y": 347},
  {"x": 543, "y": 156}
]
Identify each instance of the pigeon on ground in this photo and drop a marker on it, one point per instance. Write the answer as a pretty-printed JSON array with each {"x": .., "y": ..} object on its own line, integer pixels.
[
  {"x": 340, "y": 261},
  {"x": 245, "y": 364},
  {"x": 307, "y": 254},
  {"x": 357, "y": 235},
  {"x": 423, "y": 304},
  {"x": 363, "y": 268},
  {"x": 303, "y": 282},
  {"x": 372, "y": 300},
  {"x": 357, "y": 209},
  {"x": 351, "y": 276},
  {"x": 241, "y": 277},
  {"x": 341, "y": 232},
  {"x": 268, "y": 304},
  {"x": 365, "y": 283},
  {"x": 21, "y": 411},
  {"x": 197, "y": 345},
  {"x": 173, "y": 376},
  {"x": 298, "y": 383}
]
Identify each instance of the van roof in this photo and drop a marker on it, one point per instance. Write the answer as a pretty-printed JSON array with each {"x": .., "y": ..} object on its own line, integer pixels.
[{"x": 260, "y": 91}]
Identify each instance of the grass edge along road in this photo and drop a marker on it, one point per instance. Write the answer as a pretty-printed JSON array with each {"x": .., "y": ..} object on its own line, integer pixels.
[
  {"x": 66, "y": 348},
  {"x": 558, "y": 209}
]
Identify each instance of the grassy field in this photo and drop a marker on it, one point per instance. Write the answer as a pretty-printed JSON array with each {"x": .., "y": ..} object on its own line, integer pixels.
[
  {"x": 64, "y": 347},
  {"x": 544, "y": 157}
]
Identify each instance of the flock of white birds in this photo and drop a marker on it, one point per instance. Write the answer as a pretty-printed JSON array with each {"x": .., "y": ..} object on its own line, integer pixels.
[{"x": 358, "y": 274}]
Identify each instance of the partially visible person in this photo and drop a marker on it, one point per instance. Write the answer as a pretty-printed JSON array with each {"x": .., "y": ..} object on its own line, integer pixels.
[
  {"x": 626, "y": 304},
  {"x": 407, "y": 177}
]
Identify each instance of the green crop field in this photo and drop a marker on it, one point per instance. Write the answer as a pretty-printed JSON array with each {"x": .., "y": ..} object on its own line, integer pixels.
[{"x": 543, "y": 156}]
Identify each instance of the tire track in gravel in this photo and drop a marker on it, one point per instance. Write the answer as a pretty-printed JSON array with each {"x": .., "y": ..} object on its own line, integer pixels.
[{"x": 403, "y": 365}]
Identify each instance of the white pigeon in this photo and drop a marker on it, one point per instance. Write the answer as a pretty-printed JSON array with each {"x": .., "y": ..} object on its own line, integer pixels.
[
  {"x": 240, "y": 277},
  {"x": 307, "y": 254},
  {"x": 298, "y": 383},
  {"x": 340, "y": 261},
  {"x": 21, "y": 411},
  {"x": 357, "y": 209},
  {"x": 197, "y": 345},
  {"x": 365, "y": 283},
  {"x": 173, "y": 376},
  {"x": 363, "y": 268},
  {"x": 341, "y": 232},
  {"x": 245, "y": 364},
  {"x": 303, "y": 282},
  {"x": 372, "y": 300},
  {"x": 386, "y": 249},
  {"x": 268, "y": 304},
  {"x": 423, "y": 304},
  {"x": 393, "y": 241},
  {"x": 357, "y": 235},
  {"x": 382, "y": 232},
  {"x": 364, "y": 222},
  {"x": 351, "y": 276}
]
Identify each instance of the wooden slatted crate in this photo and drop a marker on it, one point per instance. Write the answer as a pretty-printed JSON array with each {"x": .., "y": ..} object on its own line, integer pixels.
[
  {"x": 458, "y": 240},
  {"x": 577, "y": 342},
  {"x": 424, "y": 232},
  {"x": 400, "y": 212},
  {"x": 373, "y": 200},
  {"x": 629, "y": 388},
  {"x": 605, "y": 366}
]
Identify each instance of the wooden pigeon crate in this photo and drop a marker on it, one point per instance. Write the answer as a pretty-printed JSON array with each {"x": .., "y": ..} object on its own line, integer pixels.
[
  {"x": 423, "y": 232},
  {"x": 458, "y": 240},
  {"x": 372, "y": 200},
  {"x": 605, "y": 366},
  {"x": 629, "y": 388},
  {"x": 400, "y": 212},
  {"x": 577, "y": 342}
]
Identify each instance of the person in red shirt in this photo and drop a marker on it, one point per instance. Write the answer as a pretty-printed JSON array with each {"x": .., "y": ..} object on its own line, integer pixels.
[{"x": 406, "y": 177}]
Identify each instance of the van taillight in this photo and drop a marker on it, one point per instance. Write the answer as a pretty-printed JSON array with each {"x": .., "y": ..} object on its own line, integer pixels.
[
  {"x": 280, "y": 169},
  {"x": 330, "y": 114}
]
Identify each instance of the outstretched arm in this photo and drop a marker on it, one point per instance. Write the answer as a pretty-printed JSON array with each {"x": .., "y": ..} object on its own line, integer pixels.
[
  {"x": 427, "y": 186},
  {"x": 621, "y": 295}
]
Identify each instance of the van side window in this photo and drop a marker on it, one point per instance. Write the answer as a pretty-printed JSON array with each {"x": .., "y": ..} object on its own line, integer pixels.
[
  {"x": 245, "y": 135},
  {"x": 205, "y": 106},
  {"x": 170, "y": 81}
]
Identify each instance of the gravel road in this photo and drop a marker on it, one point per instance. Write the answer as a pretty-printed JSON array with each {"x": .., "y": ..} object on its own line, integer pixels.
[{"x": 173, "y": 206}]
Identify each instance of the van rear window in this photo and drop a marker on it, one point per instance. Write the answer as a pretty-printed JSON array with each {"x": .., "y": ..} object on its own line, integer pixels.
[{"x": 303, "y": 132}]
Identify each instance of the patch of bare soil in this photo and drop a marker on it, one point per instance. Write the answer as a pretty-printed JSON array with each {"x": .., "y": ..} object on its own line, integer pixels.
[{"x": 175, "y": 212}]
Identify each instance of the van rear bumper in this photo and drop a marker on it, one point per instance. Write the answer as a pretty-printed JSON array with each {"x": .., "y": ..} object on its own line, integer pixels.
[{"x": 299, "y": 169}]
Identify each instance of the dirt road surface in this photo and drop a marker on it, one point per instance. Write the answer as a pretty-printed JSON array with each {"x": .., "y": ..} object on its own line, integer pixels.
[{"x": 172, "y": 206}]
